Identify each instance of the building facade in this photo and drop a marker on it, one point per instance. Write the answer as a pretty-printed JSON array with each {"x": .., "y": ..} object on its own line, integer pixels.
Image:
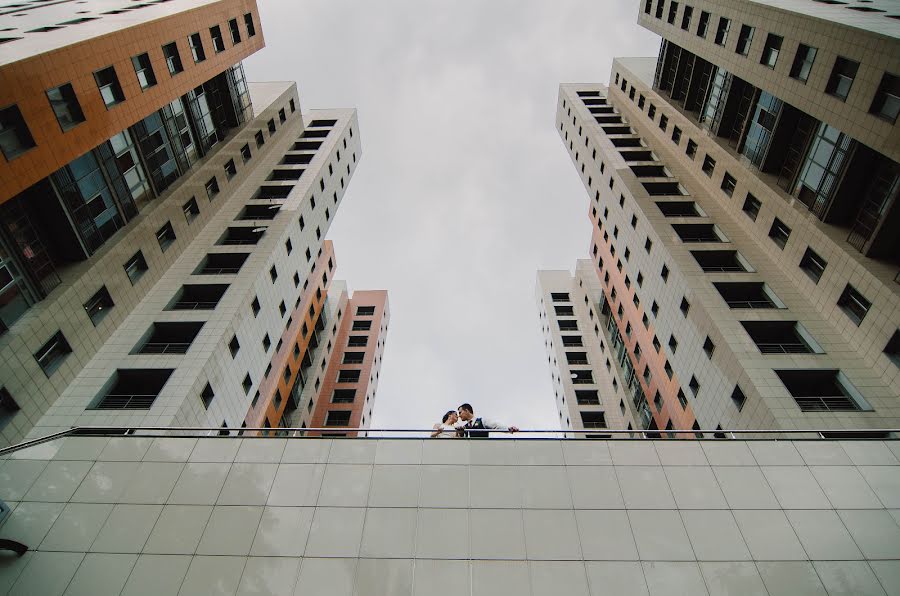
[
  {"x": 743, "y": 192},
  {"x": 162, "y": 221},
  {"x": 586, "y": 375}
]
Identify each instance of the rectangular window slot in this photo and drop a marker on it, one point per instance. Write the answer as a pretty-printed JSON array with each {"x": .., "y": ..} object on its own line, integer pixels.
[
  {"x": 293, "y": 159},
  {"x": 343, "y": 396},
  {"x": 358, "y": 341},
  {"x": 52, "y": 354},
  {"x": 822, "y": 390},
  {"x": 780, "y": 337},
  {"x": 348, "y": 376},
  {"x": 813, "y": 265},
  {"x": 285, "y": 174},
  {"x": 98, "y": 305},
  {"x": 168, "y": 338},
  {"x": 720, "y": 261},
  {"x": 314, "y": 134},
  {"x": 353, "y": 357},
  {"x": 747, "y": 294},
  {"x": 221, "y": 263},
  {"x": 653, "y": 171},
  {"x": 679, "y": 209},
  {"x": 572, "y": 341},
  {"x": 699, "y": 233},
  {"x": 241, "y": 235},
  {"x": 258, "y": 212},
  {"x": 273, "y": 191},
  {"x": 198, "y": 297},
  {"x": 338, "y": 418},
  {"x": 587, "y": 397},
  {"x": 576, "y": 358},
  {"x": 854, "y": 304},
  {"x": 593, "y": 419},
  {"x": 658, "y": 189},
  {"x": 132, "y": 389},
  {"x": 564, "y": 311},
  {"x": 582, "y": 377},
  {"x": 638, "y": 155}
]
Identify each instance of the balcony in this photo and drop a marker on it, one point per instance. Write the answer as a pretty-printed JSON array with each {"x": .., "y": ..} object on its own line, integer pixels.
[
  {"x": 238, "y": 236},
  {"x": 699, "y": 233},
  {"x": 258, "y": 212},
  {"x": 168, "y": 338},
  {"x": 720, "y": 261},
  {"x": 747, "y": 295},
  {"x": 198, "y": 297},
  {"x": 221, "y": 263},
  {"x": 780, "y": 337}
]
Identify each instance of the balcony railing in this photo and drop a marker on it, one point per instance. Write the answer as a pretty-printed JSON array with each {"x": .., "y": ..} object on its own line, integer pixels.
[
  {"x": 165, "y": 348},
  {"x": 193, "y": 305},
  {"x": 130, "y": 401},
  {"x": 783, "y": 348},
  {"x": 750, "y": 304}
]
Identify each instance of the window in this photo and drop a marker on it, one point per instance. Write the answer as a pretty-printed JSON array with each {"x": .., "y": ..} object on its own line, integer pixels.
[
  {"x": 260, "y": 139},
  {"x": 722, "y": 31},
  {"x": 771, "y": 50},
  {"x": 803, "y": 61},
  {"x": 282, "y": 309},
  {"x": 709, "y": 347},
  {"x": 886, "y": 104},
  {"x": 135, "y": 267},
  {"x": 98, "y": 305},
  {"x": 65, "y": 105},
  {"x": 664, "y": 273},
  {"x": 133, "y": 389},
  {"x": 173, "y": 58},
  {"x": 235, "y": 32},
  {"x": 343, "y": 396},
  {"x": 673, "y": 12},
  {"x": 51, "y": 355},
  {"x": 647, "y": 5},
  {"x": 842, "y": 75},
  {"x": 338, "y": 418},
  {"x": 663, "y": 122},
  {"x": 738, "y": 398},
  {"x": 108, "y": 84},
  {"x": 212, "y": 188},
  {"x": 230, "y": 169},
  {"x": 282, "y": 117},
  {"x": 703, "y": 24},
  {"x": 709, "y": 165},
  {"x": 273, "y": 273},
  {"x": 587, "y": 397},
  {"x": 207, "y": 395},
  {"x": 8, "y": 407},
  {"x": 751, "y": 206},
  {"x": 821, "y": 390},
  {"x": 196, "y": 45},
  {"x": 779, "y": 233},
  {"x": 247, "y": 384},
  {"x": 248, "y": 22},
  {"x": 745, "y": 39},
  {"x": 685, "y": 307},
  {"x": 254, "y": 306},
  {"x": 892, "y": 349},
  {"x": 676, "y": 135},
  {"x": 353, "y": 357},
  {"x": 245, "y": 153},
  {"x": 365, "y": 311},
  {"x": 747, "y": 294},
  {"x": 659, "y": 8},
  {"x": 15, "y": 138},
  {"x": 686, "y": 17},
  {"x": 218, "y": 43},
  {"x": 271, "y": 126},
  {"x": 694, "y": 386},
  {"x": 348, "y": 376},
  {"x": 165, "y": 236},
  {"x": 728, "y": 183},
  {"x": 651, "y": 112},
  {"x": 362, "y": 325},
  {"x": 780, "y": 337},
  {"x": 854, "y": 304},
  {"x": 593, "y": 419},
  {"x": 144, "y": 70},
  {"x": 234, "y": 346},
  {"x": 657, "y": 402},
  {"x": 691, "y": 149},
  {"x": 673, "y": 344},
  {"x": 813, "y": 265}
]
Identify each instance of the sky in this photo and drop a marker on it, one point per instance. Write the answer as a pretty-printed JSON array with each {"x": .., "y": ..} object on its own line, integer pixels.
[{"x": 464, "y": 189}]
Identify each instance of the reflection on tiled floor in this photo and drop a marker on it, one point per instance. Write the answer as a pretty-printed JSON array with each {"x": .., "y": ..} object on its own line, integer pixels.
[{"x": 140, "y": 515}]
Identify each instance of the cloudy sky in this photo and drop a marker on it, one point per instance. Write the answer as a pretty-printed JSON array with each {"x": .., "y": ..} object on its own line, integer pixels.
[{"x": 464, "y": 189}]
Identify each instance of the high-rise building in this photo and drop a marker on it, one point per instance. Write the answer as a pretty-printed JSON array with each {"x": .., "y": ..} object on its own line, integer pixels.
[
  {"x": 746, "y": 229},
  {"x": 586, "y": 375},
  {"x": 162, "y": 222}
]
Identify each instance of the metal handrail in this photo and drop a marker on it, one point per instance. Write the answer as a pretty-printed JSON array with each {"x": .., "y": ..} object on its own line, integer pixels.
[{"x": 212, "y": 432}]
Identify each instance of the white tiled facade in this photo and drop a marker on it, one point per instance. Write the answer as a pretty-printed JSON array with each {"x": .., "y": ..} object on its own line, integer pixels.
[
  {"x": 581, "y": 295},
  {"x": 711, "y": 346},
  {"x": 176, "y": 515}
]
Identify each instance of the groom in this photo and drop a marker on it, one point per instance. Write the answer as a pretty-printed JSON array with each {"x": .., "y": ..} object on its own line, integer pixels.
[{"x": 476, "y": 427}]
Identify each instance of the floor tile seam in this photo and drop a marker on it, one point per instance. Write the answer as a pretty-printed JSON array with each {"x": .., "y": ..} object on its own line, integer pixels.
[
  {"x": 106, "y": 521},
  {"x": 871, "y": 488},
  {"x": 836, "y": 510}
]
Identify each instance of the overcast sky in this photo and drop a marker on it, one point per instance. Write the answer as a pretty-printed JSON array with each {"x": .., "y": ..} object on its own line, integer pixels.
[{"x": 464, "y": 189}]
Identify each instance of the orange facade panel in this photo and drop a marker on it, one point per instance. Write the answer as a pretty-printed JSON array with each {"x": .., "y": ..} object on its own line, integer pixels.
[
  {"x": 280, "y": 382},
  {"x": 25, "y": 83}
]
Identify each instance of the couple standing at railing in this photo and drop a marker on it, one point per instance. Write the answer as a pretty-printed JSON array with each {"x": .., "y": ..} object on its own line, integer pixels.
[{"x": 463, "y": 423}]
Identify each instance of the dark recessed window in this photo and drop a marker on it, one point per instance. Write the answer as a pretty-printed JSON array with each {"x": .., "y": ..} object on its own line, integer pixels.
[
  {"x": 694, "y": 386},
  {"x": 709, "y": 347},
  {"x": 234, "y": 346},
  {"x": 271, "y": 125},
  {"x": 854, "y": 304},
  {"x": 722, "y": 31},
  {"x": 659, "y": 8},
  {"x": 771, "y": 50},
  {"x": 813, "y": 265},
  {"x": 247, "y": 384},
  {"x": 664, "y": 273},
  {"x": 207, "y": 395},
  {"x": 779, "y": 233},
  {"x": 673, "y": 344},
  {"x": 703, "y": 24},
  {"x": 676, "y": 135},
  {"x": 709, "y": 165},
  {"x": 686, "y": 17},
  {"x": 218, "y": 42},
  {"x": 803, "y": 62},
  {"x": 738, "y": 398},
  {"x": 8, "y": 406},
  {"x": 892, "y": 349},
  {"x": 98, "y": 305},
  {"x": 691, "y": 149},
  {"x": 15, "y": 138},
  {"x": 135, "y": 267},
  {"x": 245, "y": 153},
  {"x": 663, "y": 122},
  {"x": 651, "y": 113},
  {"x": 212, "y": 188},
  {"x": 273, "y": 273},
  {"x": 173, "y": 58},
  {"x": 745, "y": 39},
  {"x": 51, "y": 355},
  {"x": 144, "y": 70},
  {"x": 685, "y": 306},
  {"x": 260, "y": 139},
  {"x": 254, "y": 306},
  {"x": 65, "y": 105},
  {"x": 728, "y": 183},
  {"x": 821, "y": 390},
  {"x": 842, "y": 76},
  {"x": 108, "y": 84},
  {"x": 282, "y": 117},
  {"x": 235, "y": 32},
  {"x": 191, "y": 210},
  {"x": 248, "y": 22},
  {"x": 886, "y": 104},
  {"x": 230, "y": 169},
  {"x": 751, "y": 206},
  {"x": 196, "y": 45},
  {"x": 673, "y": 12},
  {"x": 165, "y": 236}
]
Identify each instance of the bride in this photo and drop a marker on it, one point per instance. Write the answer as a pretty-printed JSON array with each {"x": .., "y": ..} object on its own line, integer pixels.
[{"x": 447, "y": 427}]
